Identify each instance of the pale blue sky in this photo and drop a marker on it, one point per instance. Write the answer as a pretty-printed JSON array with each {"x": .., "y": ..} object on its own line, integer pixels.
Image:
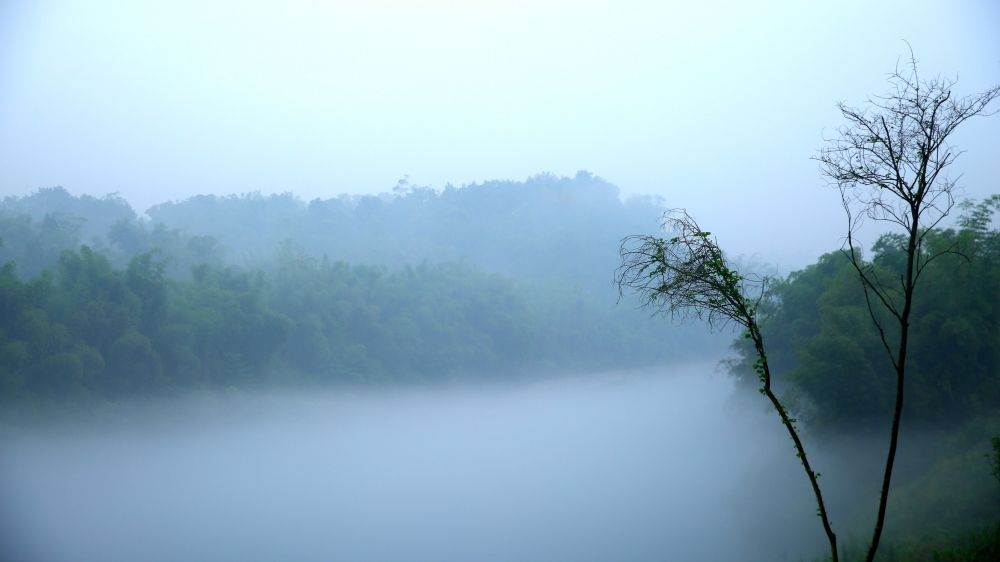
[{"x": 717, "y": 106}]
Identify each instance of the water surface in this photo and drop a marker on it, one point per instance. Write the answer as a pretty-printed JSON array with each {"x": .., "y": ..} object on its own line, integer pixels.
[{"x": 655, "y": 465}]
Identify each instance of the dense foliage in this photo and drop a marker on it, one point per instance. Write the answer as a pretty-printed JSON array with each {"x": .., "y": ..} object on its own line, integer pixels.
[
  {"x": 828, "y": 360},
  {"x": 824, "y": 348},
  {"x": 243, "y": 290},
  {"x": 88, "y": 329},
  {"x": 35, "y": 230}
]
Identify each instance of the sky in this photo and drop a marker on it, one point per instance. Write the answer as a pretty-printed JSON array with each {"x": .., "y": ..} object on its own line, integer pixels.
[{"x": 716, "y": 106}]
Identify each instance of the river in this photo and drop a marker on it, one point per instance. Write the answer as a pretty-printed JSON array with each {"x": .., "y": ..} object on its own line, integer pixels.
[{"x": 633, "y": 466}]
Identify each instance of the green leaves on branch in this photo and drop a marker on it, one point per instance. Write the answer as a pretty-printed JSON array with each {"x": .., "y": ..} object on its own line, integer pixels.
[{"x": 687, "y": 274}]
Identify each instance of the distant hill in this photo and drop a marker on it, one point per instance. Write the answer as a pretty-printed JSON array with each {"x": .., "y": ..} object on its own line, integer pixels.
[{"x": 546, "y": 227}]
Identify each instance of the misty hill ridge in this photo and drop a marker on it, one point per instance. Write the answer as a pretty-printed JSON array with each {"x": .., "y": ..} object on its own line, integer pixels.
[
  {"x": 487, "y": 280},
  {"x": 545, "y": 227}
]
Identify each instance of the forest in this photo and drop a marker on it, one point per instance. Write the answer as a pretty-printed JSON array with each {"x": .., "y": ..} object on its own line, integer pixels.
[
  {"x": 554, "y": 281},
  {"x": 100, "y": 305},
  {"x": 236, "y": 291}
]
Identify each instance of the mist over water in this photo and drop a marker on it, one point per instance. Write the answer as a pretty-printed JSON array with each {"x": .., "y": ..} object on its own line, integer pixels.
[{"x": 655, "y": 465}]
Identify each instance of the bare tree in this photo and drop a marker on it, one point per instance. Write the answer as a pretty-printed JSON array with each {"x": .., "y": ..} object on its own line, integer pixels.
[
  {"x": 889, "y": 164},
  {"x": 688, "y": 275}
]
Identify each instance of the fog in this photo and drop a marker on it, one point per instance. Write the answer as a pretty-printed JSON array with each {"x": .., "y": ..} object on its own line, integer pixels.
[
  {"x": 652, "y": 465},
  {"x": 299, "y": 280},
  {"x": 717, "y": 106}
]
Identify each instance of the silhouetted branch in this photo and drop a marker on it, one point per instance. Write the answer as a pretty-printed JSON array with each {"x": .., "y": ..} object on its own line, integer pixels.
[
  {"x": 687, "y": 274},
  {"x": 888, "y": 163}
]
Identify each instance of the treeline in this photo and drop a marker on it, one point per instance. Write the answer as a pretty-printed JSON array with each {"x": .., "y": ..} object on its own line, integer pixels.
[
  {"x": 233, "y": 291},
  {"x": 36, "y": 229},
  {"x": 546, "y": 227},
  {"x": 88, "y": 330},
  {"x": 826, "y": 353}
]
